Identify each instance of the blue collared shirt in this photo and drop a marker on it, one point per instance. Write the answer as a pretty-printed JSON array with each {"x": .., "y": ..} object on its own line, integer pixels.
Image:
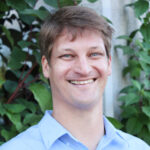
[{"x": 48, "y": 134}]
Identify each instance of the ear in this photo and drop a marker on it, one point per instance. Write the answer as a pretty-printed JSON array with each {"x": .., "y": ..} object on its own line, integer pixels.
[
  {"x": 109, "y": 66},
  {"x": 45, "y": 67}
]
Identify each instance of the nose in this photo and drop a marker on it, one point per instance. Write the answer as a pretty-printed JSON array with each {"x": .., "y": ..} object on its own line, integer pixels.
[{"x": 82, "y": 66}]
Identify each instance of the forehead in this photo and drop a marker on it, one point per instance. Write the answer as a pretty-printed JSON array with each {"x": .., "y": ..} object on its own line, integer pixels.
[
  {"x": 73, "y": 33},
  {"x": 81, "y": 36}
]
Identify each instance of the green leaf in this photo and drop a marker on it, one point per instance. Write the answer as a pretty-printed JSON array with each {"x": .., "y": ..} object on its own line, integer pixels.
[
  {"x": 32, "y": 119},
  {"x": 148, "y": 126},
  {"x": 63, "y": 3},
  {"x": 133, "y": 62},
  {"x": 126, "y": 70},
  {"x": 129, "y": 99},
  {"x": 115, "y": 122},
  {"x": 145, "y": 30},
  {"x": 52, "y": 3},
  {"x": 2, "y": 110},
  {"x": 37, "y": 56},
  {"x": 133, "y": 33},
  {"x": 42, "y": 95},
  {"x": 43, "y": 78},
  {"x": 18, "y": 73},
  {"x": 126, "y": 49},
  {"x": 135, "y": 72},
  {"x": 1, "y": 143},
  {"x": 108, "y": 20},
  {"x": 129, "y": 111},
  {"x": 146, "y": 110},
  {"x": 28, "y": 104},
  {"x": 133, "y": 126},
  {"x": 129, "y": 5},
  {"x": 146, "y": 94},
  {"x": 92, "y": 1},
  {"x": 139, "y": 43},
  {"x": 145, "y": 67},
  {"x": 147, "y": 84},
  {"x": 140, "y": 7},
  {"x": 27, "y": 19},
  {"x": 144, "y": 134},
  {"x": 3, "y": 6},
  {"x": 10, "y": 86},
  {"x": 128, "y": 89},
  {"x": 15, "y": 108},
  {"x": 7, "y": 134},
  {"x": 131, "y": 36},
  {"x": 16, "y": 120},
  {"x": 143, "y": 56},
  {"x": 15, "y": 61},
  {"x": 8, "y": 35},
  {"x": 146, "y": 46},
  {"x": 16, "y": 35},
  {"x": 136, "y": 84},
  {"x": 133, "y": 68},
  {"x": 31, "y": 3},
  {"x": 125, "y": 37},
  {"x": 2, "y": 81},
  {"x": 142, "y": 117},
  {"x": 42, "y": 14},
  {"x": 24, "y": 44},
  {"x": 17, "y": 4}
]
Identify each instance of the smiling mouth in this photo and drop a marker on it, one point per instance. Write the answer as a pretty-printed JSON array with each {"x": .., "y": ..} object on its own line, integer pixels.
[{"x": 76, "y": 82}]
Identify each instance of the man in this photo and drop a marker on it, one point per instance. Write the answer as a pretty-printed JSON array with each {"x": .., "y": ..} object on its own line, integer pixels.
[{"x": 75, "y": 46}]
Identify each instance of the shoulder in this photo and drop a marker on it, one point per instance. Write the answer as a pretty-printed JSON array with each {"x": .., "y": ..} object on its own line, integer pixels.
[
  {"x": 23, "y": 141},
  {"x": 133, "y": 142}
]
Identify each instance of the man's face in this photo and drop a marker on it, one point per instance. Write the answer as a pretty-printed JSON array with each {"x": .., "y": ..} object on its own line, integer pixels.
[{"x": 78, "y": 70}]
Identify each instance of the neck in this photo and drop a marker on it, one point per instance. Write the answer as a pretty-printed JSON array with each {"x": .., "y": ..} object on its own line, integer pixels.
[{"x": 85, "y": 125}]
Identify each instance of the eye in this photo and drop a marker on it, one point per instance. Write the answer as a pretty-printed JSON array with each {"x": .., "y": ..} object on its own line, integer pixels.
[
  {"x": 96, "y": 54},
  {"x": 67, "y": 56}
]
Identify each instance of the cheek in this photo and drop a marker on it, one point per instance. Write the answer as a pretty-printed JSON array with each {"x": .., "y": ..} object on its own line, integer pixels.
[
  {"x": 60, "y": 70},
  {"x": 102, "y": 67}
]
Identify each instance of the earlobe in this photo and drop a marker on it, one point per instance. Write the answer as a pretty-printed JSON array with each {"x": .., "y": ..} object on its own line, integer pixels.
[{"x": 45, "y": 67}]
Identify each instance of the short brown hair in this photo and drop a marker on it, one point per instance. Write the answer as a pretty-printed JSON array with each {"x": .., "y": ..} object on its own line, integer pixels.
[{"x": 73, "y": 18}]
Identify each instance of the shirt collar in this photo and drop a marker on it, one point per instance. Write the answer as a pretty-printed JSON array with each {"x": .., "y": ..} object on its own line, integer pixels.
[
  {"x": 110, "y": 133},
  {"x": 50, "y": 129},
  {"x": 110, "y": 130}
]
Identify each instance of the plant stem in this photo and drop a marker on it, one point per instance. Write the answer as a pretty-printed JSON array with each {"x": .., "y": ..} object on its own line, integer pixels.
[
  {"x": 32, "y": 81},
  {"x": 20, "y": 84},
  {"x": 58, "y": 3}
]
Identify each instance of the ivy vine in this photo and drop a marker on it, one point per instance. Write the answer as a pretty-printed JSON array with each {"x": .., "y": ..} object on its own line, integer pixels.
[{"x": 135, "y": 98}]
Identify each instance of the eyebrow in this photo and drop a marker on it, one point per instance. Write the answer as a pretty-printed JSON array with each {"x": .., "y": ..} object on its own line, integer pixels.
[
  {"x": 91, "y": 48},
  {"x": 96, "y": 47},
  {"x": 68, "y": 49}
]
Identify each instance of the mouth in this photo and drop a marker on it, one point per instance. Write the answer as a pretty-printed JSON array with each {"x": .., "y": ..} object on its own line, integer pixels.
[{"x": 82, "y": 82}]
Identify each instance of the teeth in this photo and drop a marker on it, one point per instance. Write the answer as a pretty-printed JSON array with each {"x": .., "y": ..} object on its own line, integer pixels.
[{"x": 82, "y": 82}]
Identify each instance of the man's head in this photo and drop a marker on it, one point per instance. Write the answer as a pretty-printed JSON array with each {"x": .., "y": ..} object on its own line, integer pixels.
[
  {"x": 75, "y": 20},
  {"x": 75, "y": 45}
]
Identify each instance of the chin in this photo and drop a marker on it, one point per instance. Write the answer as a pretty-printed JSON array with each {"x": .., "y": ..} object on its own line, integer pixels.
[{"x": 85, "y": 103}]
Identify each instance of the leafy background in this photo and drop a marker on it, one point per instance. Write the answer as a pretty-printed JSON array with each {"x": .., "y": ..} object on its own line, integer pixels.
[
  {"x": 25, "y": 94},
  {"x": 135, "y": 97}
]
